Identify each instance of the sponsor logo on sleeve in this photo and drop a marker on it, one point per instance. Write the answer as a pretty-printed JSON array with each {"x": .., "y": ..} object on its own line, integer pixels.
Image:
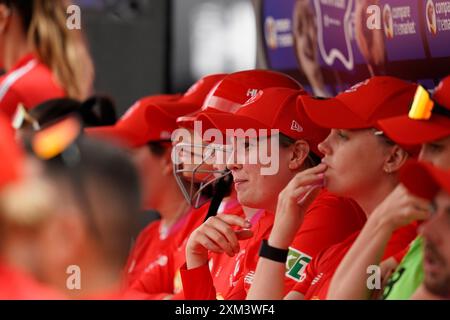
[{"x": 296, "y": 264}]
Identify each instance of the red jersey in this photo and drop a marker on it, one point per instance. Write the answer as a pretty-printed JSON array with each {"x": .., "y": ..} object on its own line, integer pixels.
[
  {"x": 328, "y": 221},
  {"x": 158, "y": 280},
  {"x": 18, "y": 285},
  {"x": 225, "y": 270},
  {"x": 199, "y": 283},
  {"x": 29, "y": 82},
  {"x": 401, "y": 254},
  {"x": 316, "y": 280},
  {"x": 150, "y": 249},
  {"x": 219, "y": 263}
]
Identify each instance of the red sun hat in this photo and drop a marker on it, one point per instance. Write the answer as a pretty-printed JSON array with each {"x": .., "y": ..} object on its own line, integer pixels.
[
  {"x": 12, "y": 155},
  {"x": 424, "y": 180},
  {"x": 235, "y": 89},
  {"x": 363, "y": 105},
  {"x": 411, "y": 131},
  {"x": 272, "y": 108},
  {"x": 154, "y": 118}
]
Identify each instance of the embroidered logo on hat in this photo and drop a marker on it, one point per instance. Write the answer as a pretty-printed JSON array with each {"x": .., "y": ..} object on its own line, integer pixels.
[
  {"x": 296, "y": 126},
  {"x": 254, "y": 95},
  {"x": 252, "y": 92}
]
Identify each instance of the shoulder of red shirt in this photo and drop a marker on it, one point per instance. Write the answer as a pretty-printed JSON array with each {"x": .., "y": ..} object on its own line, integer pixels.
[
  {"x": 326, "y": 262},
  {"x": 32, "y": 88}
]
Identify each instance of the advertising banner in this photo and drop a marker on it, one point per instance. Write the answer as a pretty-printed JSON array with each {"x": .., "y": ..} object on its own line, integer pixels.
[{"x": 332, "y": 44}]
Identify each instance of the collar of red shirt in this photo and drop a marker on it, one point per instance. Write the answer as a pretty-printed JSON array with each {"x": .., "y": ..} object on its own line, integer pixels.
[{"x": 24, "y": 60}]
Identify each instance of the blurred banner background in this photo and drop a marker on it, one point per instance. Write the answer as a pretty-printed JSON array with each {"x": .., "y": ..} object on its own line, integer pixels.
[{"x": 143, "y": 47}]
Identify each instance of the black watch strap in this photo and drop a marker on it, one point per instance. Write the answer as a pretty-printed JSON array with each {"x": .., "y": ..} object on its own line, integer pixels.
[{"x": 271, "y": 253}]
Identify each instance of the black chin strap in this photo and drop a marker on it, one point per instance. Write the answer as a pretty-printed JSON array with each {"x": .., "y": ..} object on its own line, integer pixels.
[{"x": 221, "y": 190}]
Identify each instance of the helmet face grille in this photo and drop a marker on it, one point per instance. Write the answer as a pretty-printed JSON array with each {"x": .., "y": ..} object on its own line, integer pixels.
[{"x": 196, "y": 181}]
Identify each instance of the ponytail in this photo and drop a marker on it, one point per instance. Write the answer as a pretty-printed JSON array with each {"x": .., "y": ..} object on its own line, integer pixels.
[{"x": 64, "y": 51}]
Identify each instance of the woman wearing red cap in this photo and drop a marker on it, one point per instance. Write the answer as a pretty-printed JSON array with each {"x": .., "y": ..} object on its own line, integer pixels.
[
  {"x": 43, "y": 59},
  {"x": 431, "y": 128},
  {"x": 194, "y": 176},
  {"x": 146, "y": 130},
  {"x": 359, "y": 163},
  {"x": 329, "y": 220}
]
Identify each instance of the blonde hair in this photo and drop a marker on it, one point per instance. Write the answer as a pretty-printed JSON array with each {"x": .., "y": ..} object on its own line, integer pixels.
[{"x": 64, "y": 51}]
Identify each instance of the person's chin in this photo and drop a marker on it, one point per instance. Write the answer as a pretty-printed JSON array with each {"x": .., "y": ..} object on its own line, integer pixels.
[
  {"x": 339, "y": 190},
  {"x": 328, "y": 181},
  {"x": 245, "y": 199},
  {"x": 437, "y": 286},
  {"x": 436, "y": 277}
]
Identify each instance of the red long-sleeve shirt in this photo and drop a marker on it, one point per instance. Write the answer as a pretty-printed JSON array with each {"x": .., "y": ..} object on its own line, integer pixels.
[
  {"x": 328, "y": 221},
  {"x": 29, "y": 82},
  {"x": 319, "y": 273}
]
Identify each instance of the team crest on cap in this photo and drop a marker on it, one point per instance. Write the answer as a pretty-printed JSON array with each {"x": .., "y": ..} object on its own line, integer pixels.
[
  {"x": 254, "y": 94},
  {"x": 295, "y": 126}
]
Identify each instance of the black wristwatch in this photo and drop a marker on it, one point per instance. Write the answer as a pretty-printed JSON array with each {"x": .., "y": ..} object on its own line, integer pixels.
[{"x": 271, "y": 253}]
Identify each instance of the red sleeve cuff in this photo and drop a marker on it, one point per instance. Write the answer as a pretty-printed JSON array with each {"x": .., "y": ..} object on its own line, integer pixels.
[
  {"x": 197, "y": 283},
  {"x": 301, "y": 288}
]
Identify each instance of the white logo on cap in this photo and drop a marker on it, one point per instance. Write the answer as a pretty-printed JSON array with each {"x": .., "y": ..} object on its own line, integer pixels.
[
  {"x": 296, "y": 126},
  {"x": 252, "y": 92}
]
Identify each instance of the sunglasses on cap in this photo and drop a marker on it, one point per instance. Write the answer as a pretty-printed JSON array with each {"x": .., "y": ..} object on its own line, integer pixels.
[
  {"x": 424, "y": 106},
  {"x": 59, "y": 144},
  {"x": 23, "y": 117}
]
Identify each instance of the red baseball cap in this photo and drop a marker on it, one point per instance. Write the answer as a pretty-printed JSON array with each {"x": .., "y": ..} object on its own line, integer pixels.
[
  {"x": 12, "y": 154},
  {"x": 424, "y": 180},
  {"x": 411, "y": 131},
  {"x": 363, "y": 105},
  {"x": 235, "y": 89},
  {"x": 271, "y": 108},
  {"x": 154, "y": 118}
]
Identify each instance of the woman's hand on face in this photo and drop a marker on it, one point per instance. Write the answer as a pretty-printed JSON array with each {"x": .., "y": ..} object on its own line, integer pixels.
[
  {"x": 401, "y": 208},
  {"x": 216, "y": 235},
  {"x": 293, "y": 202}
]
